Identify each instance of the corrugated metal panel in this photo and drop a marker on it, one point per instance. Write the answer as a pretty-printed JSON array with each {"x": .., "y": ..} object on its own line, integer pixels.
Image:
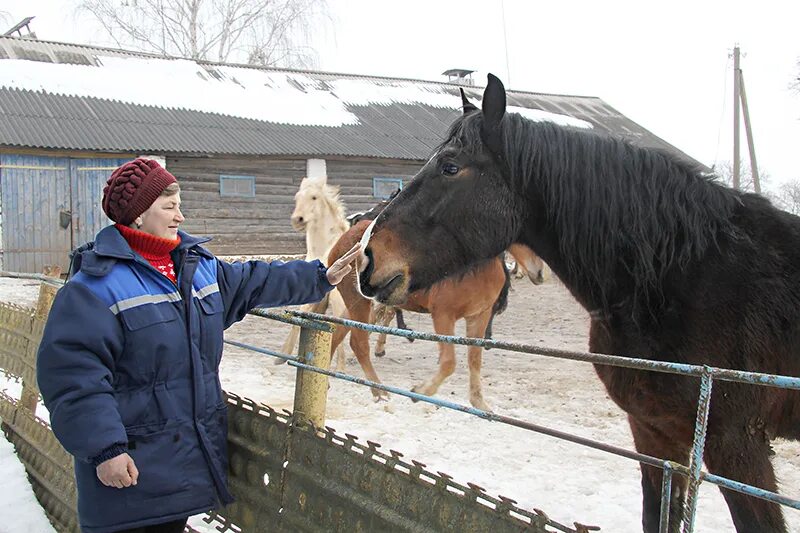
[{"x": 394, "y": 131}]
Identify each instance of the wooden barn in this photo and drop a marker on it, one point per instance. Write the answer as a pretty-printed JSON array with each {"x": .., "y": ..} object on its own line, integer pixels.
[{"x": 239, "y": 139}]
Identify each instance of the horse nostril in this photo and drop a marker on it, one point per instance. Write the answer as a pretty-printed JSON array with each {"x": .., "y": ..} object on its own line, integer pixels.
[{"x": 299, "y": 219}]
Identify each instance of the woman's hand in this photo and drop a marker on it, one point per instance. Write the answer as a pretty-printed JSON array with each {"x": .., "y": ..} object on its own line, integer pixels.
[
  {"x": 342, "y": 266},
  {"x": 119, "y": 471}
]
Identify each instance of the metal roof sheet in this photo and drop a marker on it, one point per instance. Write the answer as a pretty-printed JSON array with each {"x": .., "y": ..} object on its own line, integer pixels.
[{"x": 394, "y": 130}]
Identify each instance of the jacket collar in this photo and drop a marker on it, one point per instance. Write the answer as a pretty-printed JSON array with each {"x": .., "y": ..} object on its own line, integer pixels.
[{"x": 110, "y": 246}]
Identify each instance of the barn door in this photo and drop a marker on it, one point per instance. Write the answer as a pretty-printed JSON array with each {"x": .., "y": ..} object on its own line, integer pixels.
[
  {"x": 88, "y": 177},
  {"x": 36, "y": 212}
]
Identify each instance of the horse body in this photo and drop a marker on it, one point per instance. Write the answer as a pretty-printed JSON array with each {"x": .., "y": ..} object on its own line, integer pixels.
[{"x": 669, "y": 264}]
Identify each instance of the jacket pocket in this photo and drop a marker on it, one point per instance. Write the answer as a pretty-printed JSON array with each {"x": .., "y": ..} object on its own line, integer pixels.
[
  {"x": 161, "y": 458},
  {"x": 148, "y": 315}
]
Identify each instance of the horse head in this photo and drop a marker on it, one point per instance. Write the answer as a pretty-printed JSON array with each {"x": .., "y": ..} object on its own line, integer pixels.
[
  {"x": 457, "y": 211},
  {"x": 311, "y": 202}
]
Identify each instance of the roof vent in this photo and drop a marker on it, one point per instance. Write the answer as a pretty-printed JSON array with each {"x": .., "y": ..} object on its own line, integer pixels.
[
  {"x": 17, "y": 28},
  {"x": 459, "y": 76}
]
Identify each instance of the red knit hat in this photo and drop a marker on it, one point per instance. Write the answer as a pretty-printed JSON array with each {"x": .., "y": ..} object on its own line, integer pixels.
[{"x": 133, "y": 188}]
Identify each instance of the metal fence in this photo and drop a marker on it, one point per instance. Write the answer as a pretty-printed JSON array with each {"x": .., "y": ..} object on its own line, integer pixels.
[
  {"x": 291, "y": 473},
  {"x": 287, "y": 472},
  {"x": 707, "y": 375}
]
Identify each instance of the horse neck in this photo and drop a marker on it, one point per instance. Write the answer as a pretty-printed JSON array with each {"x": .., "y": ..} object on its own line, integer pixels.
[{"x": 322, "y": 234}]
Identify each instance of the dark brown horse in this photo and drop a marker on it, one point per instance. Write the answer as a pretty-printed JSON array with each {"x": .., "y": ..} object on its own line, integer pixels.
[
  {"x": 670, "y": 264},
  {"x": 476, "y": 295}
]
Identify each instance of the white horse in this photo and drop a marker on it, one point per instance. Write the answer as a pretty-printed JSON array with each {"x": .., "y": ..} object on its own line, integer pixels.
[{"x": 319, "y": 212}]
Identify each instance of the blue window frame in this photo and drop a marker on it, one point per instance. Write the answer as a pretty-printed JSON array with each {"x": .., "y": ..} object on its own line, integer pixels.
[
  {"x": 384, "y": 187},
  {"x": 242, "y": 186}
]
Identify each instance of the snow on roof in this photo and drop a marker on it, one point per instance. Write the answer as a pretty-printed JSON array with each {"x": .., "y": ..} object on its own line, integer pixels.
[{"x": 283, "y": 97}]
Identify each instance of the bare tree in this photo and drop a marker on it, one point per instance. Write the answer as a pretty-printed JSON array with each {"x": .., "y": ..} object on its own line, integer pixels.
[
  {"x": 724, "y": 172},
  {"x": 796, "y": 83},
  {"x": 264, "y": 32},
  {"x": 788, "y": 197}
]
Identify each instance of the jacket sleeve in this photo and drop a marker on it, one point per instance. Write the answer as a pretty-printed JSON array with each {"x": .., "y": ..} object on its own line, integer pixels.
[
  {"x": 252, "y": 284},
  {"x": 74, "y": 371}
]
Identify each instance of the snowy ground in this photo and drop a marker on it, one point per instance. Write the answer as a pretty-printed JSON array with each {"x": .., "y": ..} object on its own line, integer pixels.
[{"x": 567, "y": 481}]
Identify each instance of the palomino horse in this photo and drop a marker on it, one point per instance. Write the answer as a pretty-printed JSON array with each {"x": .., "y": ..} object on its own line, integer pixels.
[
  {"x": 318, "y": 212},
  {"x": 670, "y": 264},
  {"x": 476, "y": 296}
]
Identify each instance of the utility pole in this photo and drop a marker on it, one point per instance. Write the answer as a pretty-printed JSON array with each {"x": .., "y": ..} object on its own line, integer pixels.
[
  {"x": 505, "y": 42},
  {"x": 749, "y": 132},
  {"x": 736, "y": 79},
  {"x": 740, "y": 97}
]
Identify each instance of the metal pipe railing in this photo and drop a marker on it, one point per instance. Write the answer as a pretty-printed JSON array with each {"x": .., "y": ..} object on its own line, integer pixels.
[{"x": 707, "y": 374}]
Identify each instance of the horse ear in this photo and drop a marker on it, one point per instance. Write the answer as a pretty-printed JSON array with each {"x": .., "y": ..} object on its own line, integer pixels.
[
  {"x": 494, "y": 102},
  {"x": 468, "y": 106},
  {"x": 493, "y": 107}
]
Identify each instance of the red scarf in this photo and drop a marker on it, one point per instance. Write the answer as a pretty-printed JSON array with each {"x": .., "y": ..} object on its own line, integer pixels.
[{"x": 154, "y": 249}]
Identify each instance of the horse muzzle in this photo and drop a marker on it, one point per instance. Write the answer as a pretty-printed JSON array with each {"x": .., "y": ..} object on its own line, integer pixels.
[{"x": 391, "y": 289}]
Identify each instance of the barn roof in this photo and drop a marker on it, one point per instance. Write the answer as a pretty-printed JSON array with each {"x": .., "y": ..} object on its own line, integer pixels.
[{"x": 75, "y": 97}]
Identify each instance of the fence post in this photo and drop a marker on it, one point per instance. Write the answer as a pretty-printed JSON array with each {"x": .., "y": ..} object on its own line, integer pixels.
[
  {"x": 311, "y": 388},
  {"x": 47, "y": 292}
]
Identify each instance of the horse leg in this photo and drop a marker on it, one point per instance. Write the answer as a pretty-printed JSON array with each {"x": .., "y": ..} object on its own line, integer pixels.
[
  {"x": 476, "y": 327},
  {"x": 289, "y": 345},
  {"x": 339, "y": 333},
  {"x": 401, "y": 323},
  {"x": 742, "y": 455},
  {"x": 651, "y": 441},
  {"x": 443, "y": 325},
  {"x": 384, "y": 317},
  {"x": 338, "y": 309},
  {"x": 359, "y": 342},
  {"x": 360, "y": 310}
]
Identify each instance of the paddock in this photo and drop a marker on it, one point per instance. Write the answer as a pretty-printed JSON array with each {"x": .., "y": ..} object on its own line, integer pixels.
[{"x": 566, "y": 481}]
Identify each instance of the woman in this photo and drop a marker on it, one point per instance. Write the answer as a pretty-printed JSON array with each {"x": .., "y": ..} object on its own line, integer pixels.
[{"x": 129, "y": 360}]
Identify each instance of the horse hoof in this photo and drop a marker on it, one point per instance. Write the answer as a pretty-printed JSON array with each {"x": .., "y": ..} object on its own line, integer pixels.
[
  {"x": 380, "y": 353},
  {"x": 415, "y": 389},
  {"x": 482, "y": 405},
  {"x": 278, "y": 361}
]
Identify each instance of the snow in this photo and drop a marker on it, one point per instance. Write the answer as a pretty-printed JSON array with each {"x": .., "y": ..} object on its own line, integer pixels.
[
  {"x": 275, "y": 96},
  {"x": 19, "y": 508},
  {"x": 567, "y": 481}
]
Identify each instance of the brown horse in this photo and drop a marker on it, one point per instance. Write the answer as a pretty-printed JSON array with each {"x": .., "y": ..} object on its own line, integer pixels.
[
  {"x": 670, "y": 264},
  {"x": 476, "y": 296}
]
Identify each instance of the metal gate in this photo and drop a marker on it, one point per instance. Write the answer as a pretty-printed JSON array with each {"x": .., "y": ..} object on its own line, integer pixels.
[{"x": 50, "y": 206}]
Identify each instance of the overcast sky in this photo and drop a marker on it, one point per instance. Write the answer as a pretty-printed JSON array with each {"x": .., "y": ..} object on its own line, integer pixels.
[{"x": 665, "y": 66}]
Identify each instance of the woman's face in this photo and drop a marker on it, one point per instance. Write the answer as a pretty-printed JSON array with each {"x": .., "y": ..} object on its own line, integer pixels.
[{"x": 163, "y": 217}]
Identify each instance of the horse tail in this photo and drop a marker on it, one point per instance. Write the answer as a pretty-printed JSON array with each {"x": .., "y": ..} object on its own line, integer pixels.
[
  {"x": 501, "y": 303},
  {"x": 502, "y": 299}
]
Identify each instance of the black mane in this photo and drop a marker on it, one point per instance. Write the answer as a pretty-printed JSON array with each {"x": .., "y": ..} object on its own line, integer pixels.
[{"x": 618, "y": 208}]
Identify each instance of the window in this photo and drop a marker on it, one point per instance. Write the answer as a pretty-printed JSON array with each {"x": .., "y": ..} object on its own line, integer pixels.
[
  {"x": 384, "y": 187},
  {"x": 244, "y": 186}
]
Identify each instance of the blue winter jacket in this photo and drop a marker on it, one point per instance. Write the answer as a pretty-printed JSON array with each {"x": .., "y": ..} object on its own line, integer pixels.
[{"x": 129, "y": 362}]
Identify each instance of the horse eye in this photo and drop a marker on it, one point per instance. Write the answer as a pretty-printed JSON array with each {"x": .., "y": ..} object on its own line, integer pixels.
[
  {"x": 450, "y": 169},
  {"x": 313, "y": 197}
]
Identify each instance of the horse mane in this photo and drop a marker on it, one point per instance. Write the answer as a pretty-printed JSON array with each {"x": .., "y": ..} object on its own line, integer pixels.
[
  {"x": 619, "y": 209},
  {"x": 330, "y": 195}
]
